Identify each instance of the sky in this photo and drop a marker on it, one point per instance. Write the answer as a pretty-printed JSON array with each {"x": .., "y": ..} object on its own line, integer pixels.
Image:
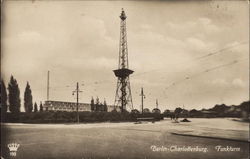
[{"x": 191, "y": 54}]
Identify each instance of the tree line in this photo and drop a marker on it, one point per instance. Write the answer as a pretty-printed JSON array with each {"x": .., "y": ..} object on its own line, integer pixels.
[{"x": 11, "y": 101}]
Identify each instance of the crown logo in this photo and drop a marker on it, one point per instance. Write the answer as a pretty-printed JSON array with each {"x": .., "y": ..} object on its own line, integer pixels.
[{"x": 13, "y": 148}]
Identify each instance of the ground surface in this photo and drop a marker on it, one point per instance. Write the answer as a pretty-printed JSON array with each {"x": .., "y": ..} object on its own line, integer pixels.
[{"x": 128, "y": 140}]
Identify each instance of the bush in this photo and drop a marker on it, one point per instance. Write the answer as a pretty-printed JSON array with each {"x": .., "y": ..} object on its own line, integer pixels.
[{"x": 70, "y": 117}]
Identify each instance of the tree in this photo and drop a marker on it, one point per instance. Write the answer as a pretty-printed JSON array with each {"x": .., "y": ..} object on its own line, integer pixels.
[
  {"x": 105, "y": 107},
  {"x": 41, "y": 107},
  {"x": 135, "y": 111},
  {"x": 166, "y": 112},
  {"x": 3, "y": 98},
  {"x": 193, "y": 111},
  {"x": 178, "y": 110},
  {"x": 101, "y": 107},
  {"x": 14, "y": 96},
  {"x": 28, "y": 104},
  {"x": 156, "y": 110},
  {"x": 146, "y": 110},
  {"x": 35, "y": 107},
  {"x": 97, "y": 104},
  {"x": 92, "y": 104}
]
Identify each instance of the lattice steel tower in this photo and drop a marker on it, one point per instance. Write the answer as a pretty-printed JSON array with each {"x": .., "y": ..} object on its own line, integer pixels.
[{"x": 123, "y": 97}]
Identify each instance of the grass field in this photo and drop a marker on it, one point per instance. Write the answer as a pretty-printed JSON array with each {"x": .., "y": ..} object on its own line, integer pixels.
[{"x": 126, "y": 140}]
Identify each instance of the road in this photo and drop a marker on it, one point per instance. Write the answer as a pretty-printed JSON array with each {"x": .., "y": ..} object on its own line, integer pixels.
[{"x": 129, "y": 140}]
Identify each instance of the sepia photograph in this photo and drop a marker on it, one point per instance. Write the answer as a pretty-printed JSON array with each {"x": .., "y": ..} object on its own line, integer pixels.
[{"x": 128, "y": 79}]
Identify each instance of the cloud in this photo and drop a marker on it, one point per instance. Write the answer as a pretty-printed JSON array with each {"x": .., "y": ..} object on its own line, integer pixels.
[
  {"x": 188, "y": 25},
  {"x": 202, "y": 24},
  {"x": 220, "y": 82},
  {"x": 29, "y": 36},
  {"x": 238, "y": 83},
  {"x": 93, "y": 63},
  {"x": 208, "y": 25},
  {"x": 196, "y": 43},
  {"x": 145, "y": 26},
  {"x": 204, "y": 21}
]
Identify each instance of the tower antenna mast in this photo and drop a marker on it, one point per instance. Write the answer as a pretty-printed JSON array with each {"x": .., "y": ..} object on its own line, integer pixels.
[{"x": 123, "y": 97}]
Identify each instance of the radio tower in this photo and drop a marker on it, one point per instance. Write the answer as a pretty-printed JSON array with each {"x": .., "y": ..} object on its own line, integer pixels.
[{"x": 123, "y": 97}]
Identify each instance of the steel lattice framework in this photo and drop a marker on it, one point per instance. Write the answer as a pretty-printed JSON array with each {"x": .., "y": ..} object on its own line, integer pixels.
[{"x": 123, "y": 97}]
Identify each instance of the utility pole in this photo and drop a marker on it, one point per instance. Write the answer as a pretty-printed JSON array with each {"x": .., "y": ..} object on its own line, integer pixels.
[
  {"x": 142, "y": 97},
  {"x": 157, "y": 103},
  {"x": 77, "y": 91},
  {"x": 48, "y": 86}
]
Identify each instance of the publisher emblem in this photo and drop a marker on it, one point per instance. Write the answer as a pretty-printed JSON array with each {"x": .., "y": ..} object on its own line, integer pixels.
[{"x": 13, "y": 148}]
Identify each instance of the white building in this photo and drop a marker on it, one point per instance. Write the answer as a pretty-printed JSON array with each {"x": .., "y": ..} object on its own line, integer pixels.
[{"x": 71, "y": 106}]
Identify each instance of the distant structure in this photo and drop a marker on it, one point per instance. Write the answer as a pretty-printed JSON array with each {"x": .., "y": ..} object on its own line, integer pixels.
[
  {"x": 156, "y": 110},
  {"x": 48, "y": 86},
  {"x": 123, "y": 97},
  {"x": 142, "y": 97},
  {"x": 71, "y": 106}
]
